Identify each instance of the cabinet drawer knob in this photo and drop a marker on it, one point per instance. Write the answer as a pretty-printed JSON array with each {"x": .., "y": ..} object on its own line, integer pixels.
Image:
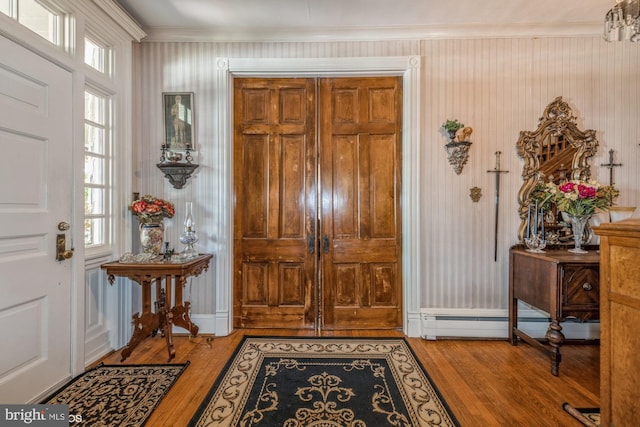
[{"x": 587, "y": 286}]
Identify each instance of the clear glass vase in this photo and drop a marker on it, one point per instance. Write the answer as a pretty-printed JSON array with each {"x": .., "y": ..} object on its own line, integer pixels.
[
  {"x": 578, "y": 224},
  {"x": 151, "y": 237}
]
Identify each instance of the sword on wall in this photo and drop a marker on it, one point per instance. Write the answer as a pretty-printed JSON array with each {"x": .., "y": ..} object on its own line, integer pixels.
[{"x": 497, "y": 171}]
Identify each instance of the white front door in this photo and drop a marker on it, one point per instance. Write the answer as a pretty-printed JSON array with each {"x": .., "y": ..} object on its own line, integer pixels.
[{"x": 35, "y": 195}]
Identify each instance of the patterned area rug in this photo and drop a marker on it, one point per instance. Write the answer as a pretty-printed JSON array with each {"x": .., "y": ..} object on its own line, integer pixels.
[
  {"x": 327, "y": 382},
  {"x": 590, "y": 417},
  {"x": 117, "y": 395}
]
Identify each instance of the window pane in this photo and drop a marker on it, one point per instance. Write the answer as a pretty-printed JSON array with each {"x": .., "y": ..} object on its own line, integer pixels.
[
  {"x": 93, "y": 139},
  {"x": 94, "y": 55},
  {"x": 5, "y": 7},
  {"x": 93, "y": 170},
  {"x": 39, "y": 20},
  {"x": 96, "y": 168},
  {"x": 94, "y": 231},
  {"x": 94, "y": 108},
  {"x": 94, "y": 201}
]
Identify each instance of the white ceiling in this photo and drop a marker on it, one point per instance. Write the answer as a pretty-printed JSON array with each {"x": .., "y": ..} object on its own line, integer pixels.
[{"x": 260, "y": 19}]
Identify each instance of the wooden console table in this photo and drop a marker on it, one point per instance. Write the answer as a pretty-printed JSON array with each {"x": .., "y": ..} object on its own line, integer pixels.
[
  {"x": 558, "y": 282},
  {"x": 150, "y": 322}
]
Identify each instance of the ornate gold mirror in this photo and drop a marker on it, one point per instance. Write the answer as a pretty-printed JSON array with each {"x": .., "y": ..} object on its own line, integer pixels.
[{"x": 556, "y": 151}]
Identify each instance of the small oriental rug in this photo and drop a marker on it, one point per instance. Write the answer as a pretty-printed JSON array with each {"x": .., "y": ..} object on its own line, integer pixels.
[
  {"x": 346, "y": 382},
  {"x": 117, "y": 395},
  {"x": 590, "y": 417}
]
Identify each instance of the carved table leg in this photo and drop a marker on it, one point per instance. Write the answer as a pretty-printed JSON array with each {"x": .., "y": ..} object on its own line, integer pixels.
[
  {"x": 143, "y": 325},
  {"x": 181, "y": 318},
  {"x": 169, "y": 336},
  {"x": 165, "y": 321},
  {"x": 160, "y": 304},
  {"x": 513, "y": 320},
  {"x": 181, "y": 311},
  {"x": 161, "y": 309},
  {"x": 556, "y": 338}
]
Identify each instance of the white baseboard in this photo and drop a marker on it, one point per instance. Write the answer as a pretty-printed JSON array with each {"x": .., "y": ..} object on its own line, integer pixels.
[
  {"x": 413, "y": 324},
  {"x": 450, "y": 323},
  {"x": 205, "y": 322},
  {"x": 494, "y": 323},
  {"x": 95, "y": 347}
]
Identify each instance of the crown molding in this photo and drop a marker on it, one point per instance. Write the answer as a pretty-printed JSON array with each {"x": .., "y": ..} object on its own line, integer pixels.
[
  {"x": 234, "y": 34},
  {"x": 122, "y": 18}
]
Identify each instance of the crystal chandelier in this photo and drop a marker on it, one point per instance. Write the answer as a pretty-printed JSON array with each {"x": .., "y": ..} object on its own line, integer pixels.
[{"x": 622, "y": 22}]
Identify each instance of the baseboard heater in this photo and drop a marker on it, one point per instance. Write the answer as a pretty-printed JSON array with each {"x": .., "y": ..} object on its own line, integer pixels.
[{"x": 494, "y": 324}]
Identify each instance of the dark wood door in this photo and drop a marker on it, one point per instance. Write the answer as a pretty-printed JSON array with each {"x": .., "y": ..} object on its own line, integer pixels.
[
  {"x": 298, "y": 265},
  {"x": 275, "y": 153},
  {"x": 360, "y": 192}
]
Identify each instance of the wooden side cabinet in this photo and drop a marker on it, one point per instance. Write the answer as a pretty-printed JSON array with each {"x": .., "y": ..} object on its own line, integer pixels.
[
  {"x": 561, "y": 283},
  {"x": 620, "y": 323}
]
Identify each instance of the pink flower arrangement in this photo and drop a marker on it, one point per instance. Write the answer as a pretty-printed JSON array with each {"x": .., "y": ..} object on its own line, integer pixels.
[
  {"x": 577, "y": 198},
  {"x": 150, "y": 209},
  {"x": 583, "y": 191}
]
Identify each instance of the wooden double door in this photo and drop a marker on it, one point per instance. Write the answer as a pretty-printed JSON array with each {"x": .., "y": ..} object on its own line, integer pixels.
[{"x": 317, "y": 221}]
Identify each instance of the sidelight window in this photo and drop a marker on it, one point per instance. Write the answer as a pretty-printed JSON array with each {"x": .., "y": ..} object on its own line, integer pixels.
[{"x": 97, "y": 130}]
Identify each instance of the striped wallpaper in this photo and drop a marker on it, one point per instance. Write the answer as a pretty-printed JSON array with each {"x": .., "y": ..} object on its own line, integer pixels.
[{"x": 496, "y": 86}]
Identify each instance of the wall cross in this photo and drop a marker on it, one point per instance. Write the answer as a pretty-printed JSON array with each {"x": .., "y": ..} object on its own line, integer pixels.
[{"x": 611, "y": 165}]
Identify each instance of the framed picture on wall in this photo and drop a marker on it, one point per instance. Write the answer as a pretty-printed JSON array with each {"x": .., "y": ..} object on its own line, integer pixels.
[{"x": 179, "y": 114}]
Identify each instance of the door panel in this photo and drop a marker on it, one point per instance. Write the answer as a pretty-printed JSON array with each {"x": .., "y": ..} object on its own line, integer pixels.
[
  {"x": 360, "y": 180},
  {"x": 275, "y": 205},
  {"x": 278, "y": 247},
  {"x": 35, "y": 194}
]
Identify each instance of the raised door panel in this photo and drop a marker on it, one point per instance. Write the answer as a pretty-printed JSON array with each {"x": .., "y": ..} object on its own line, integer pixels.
[{"x": 254, "y": 210}]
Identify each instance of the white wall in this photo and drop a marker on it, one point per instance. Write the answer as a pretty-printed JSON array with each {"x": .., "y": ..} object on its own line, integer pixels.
[
  {"x": 496, "y": 86},
  {"x": 500, "y": 87}
]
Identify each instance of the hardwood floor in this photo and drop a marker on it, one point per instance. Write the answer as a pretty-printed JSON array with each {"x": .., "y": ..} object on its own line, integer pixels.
[{"x": 486, "y": 383}]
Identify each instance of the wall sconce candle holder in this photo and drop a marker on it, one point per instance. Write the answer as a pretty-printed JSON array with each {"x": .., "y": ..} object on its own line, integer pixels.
[
  {"x": 458, "y": 145},
  {"x": 458, "y": 154},
  {"x": 174, "y": 169}
]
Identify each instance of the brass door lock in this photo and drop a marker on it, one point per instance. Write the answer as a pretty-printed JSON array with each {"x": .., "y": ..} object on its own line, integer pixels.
[{"x": 62, "y": 252}]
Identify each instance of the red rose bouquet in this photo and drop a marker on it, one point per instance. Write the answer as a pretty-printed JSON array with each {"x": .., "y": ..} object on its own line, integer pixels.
[{"x": 150, "y": 209}]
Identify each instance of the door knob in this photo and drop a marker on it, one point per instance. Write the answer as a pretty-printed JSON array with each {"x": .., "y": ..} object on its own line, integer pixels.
[{"x": 325, "y": 244}]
